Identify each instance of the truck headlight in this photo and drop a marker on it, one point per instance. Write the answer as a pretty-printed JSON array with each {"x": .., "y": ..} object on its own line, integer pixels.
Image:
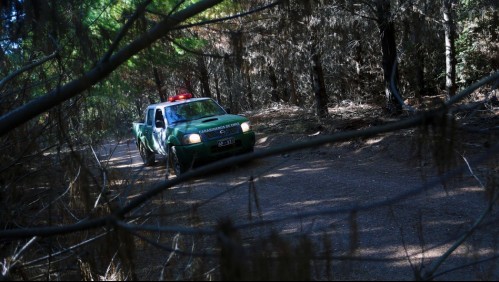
[
  {"x": 246, "y": 126},
  {"x": 192, "y": 138}
]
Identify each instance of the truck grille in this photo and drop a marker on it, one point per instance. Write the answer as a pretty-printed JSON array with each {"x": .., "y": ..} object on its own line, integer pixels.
[{"x": 220, "y": 133}]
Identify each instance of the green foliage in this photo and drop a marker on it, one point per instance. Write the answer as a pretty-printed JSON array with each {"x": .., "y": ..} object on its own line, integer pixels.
[
  {"x": 478, "y": 43},
  {"x": 48, "y": 153},
  {"x": 188, "y": 43}
]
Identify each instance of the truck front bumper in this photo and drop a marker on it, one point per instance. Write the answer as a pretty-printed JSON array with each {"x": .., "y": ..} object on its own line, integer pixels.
[{"x": 190, "y": 155}]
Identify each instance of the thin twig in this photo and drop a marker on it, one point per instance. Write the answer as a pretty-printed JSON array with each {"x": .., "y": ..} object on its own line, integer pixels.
[
  {"x": 472, "y": 173},
  {"x": 26, "y": 68},
  {"x": 428, "y": 275},
  {"x": 70, "y": 185},
  {"x": 140, "y": 10},
  {"x": 62, "y": 93},
  {"x": 417, "y": 120},
  {"x": 259, "y": 9},
  {"x": 9, "y": 264},
  {"x": 66, "y": 250},
  {"x": 104, "y": 176}
]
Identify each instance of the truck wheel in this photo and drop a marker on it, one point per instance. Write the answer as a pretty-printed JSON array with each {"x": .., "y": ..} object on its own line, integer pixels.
[
  {"x": 147, "y": 156},
  {"x": 177, "y": 166},
  {"x": 169, "y": 162}
]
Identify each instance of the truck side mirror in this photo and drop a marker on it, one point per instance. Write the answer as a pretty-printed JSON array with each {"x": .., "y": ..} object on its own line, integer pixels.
[{"x": 160, "y": 124}]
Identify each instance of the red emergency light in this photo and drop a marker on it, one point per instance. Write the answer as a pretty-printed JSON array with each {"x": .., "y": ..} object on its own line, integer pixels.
[{"x": 183, "y": 96}]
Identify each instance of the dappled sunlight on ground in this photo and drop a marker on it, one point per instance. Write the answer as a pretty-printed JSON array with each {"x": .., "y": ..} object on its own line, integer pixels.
[
  {"x": 320, "y": 182},
  {"x": 458, "y": 192}
]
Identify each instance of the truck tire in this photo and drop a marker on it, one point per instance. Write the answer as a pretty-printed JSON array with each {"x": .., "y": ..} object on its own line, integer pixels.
[
  {"x": 147, "y": 156},
  {"x": 177, "y": 166}
]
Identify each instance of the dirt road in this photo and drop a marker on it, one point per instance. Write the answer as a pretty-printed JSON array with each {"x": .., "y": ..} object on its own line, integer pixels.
[{"x": 313, "y": 192}]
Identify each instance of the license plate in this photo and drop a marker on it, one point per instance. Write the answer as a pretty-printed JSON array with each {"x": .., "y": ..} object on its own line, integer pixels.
[{"x": 226, "y": 142}]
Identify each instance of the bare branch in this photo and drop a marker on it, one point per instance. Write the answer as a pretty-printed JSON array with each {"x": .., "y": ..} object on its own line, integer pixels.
[
  {"x": 140, "y": 10},
  {"x": 472, "y": 173},
  {"x": 194, "y": 51},
  {"x": 14, "y": 260},
  {"x": 456, "y": 98},
  {"x": 353, "y": 12},
  {"x": 428, "y": 275},
  {"x": 173, "y": 250},
  {"x": 465, "y": 265},
  {"x": 169, "y": 229},
  {"x": 111, "y": 220},
  {"x": 417, "y": 120},
  {"x": 259, "y": 9},
  {"x": 177, "y": 5},
  {"x": 72, "y": 248},
  {"x": 395, "y": 91},
  {"x": 26, "y": 68},
  {"x": 70, "y": 185}
]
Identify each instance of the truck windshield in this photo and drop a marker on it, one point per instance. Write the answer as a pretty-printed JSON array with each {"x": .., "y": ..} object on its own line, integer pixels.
[{"x": 192, "y": 111}]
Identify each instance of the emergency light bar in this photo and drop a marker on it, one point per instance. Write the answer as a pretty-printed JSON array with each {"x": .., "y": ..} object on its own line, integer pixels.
[{"x": 183, "y": 96}]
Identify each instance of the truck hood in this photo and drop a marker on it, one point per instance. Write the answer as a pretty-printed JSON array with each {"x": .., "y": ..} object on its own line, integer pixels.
[{"x": 205, "y": 124}]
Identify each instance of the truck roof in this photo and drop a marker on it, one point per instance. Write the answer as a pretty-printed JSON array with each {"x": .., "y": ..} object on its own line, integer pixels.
[{"x": 164, "y": 104}]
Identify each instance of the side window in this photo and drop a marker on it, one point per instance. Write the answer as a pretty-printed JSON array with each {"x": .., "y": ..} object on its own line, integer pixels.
[
  {"x": 159, "y": 114},
  {"x": 150, "y": 116},
  {"x": 159, "y": 117}
]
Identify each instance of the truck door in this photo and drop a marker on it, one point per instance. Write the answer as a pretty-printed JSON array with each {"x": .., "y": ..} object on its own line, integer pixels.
[
  {"x": 159, "y": 132},
  {"x": 148, "y": 128}
]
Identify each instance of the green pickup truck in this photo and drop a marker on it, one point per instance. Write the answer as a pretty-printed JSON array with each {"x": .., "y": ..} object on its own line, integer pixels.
[{"x": 189, "y": 130}]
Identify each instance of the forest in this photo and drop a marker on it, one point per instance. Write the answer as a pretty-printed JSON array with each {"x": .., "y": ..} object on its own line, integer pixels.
[{"x": 420, "y": 75}]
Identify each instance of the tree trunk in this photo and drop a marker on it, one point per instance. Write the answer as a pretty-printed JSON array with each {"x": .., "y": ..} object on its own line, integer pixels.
[
  {"x": 159, "y": 85},
  {"x": 138, "y": 108},
  {"x": 248, "y": 91},
  {"x": 389, "y": 54},
  {"x": 204, "y": 78},
  {"x": 450, "y": 50},
  {"x": 317, "y": 72},
  {"x": 228, "y": 76},
  {"x": 217, "y": 89},
  {"x": 237, "y": 83},
  {"x": 294, "y": 96},
  {"x": 274, "y": 96},
  {"x": 417, "y": 41},
  {"x": 359, "y": 80},
  {"x": 237, "y": 89},
  {"x": 318, "y": 85},
  {"x": 188, "y": 84}
]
